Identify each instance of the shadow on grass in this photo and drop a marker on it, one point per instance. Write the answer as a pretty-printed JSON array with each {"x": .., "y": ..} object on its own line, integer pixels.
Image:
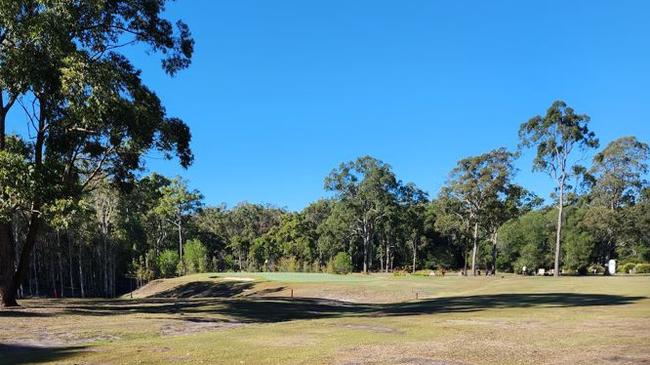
[
  {"x": 264, "y": 310},
  {"x": 19, "y": 313},
  {"x": 12, "y": 354},
  {"x": 206, "y": 289}
]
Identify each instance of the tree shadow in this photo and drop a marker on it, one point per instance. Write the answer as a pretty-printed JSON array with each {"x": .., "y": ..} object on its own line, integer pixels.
[
  {"x": 286, "y": 309},
  {"x": 21, "y": 313},
  {"x": 206, "y": 289},
  {"x": 14, "y": 354},
  {"x": 264, "y": 310}
]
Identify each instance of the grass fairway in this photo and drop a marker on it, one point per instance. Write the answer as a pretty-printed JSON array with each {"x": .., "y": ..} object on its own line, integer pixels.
[{"x": 244, "y": 318}]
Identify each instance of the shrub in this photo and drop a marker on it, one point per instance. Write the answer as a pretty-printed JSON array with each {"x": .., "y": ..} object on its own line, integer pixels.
[
  {"x": 167, "y": 263},
  {"x": 229, "y": 263},
  {"x": 342, "y": 263},
  {"x": 140, "y": 271},
  {"x": 598, "y": 269},
  {"x": 195, "y": 257},
  {"x": 315, "y": 267},
  {"x": 627, "y": 268},
  {"x": 288, "y": 264},
  {"x": 642, "y": 269}
]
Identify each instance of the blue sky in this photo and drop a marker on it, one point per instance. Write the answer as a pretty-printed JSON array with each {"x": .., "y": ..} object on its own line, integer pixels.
[{"x": 281, "y": 92}]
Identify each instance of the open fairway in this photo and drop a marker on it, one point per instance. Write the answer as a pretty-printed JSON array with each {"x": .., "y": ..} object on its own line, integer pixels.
[{"x": 251, "y": 319}]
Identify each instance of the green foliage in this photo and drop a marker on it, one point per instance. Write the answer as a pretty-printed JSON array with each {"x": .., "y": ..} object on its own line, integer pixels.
[
  {"x": 555, "y": 135},
  {"x": 596, "y": 269},
  {"x": 617, "y": 172},
  {"x": 289, "y": 264},
  {"x": 642, "y": 269},
  {"x": 16, "y": 186},
  {"x": 168, "y": 263},
  {"x": 627, "y": 268},
  {"x": 367, "y": 189},
  {"x": 525, "y": 241},
  {"x": 342, "y": 263},
  {"x": 195, "y": 257},
  {"x": 579, "y": 245}
]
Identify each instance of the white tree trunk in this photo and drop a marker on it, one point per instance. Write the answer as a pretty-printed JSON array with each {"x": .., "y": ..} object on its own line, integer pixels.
[
  {"x": 558, "y": 233},
  {"x": 475, "y": 249}
]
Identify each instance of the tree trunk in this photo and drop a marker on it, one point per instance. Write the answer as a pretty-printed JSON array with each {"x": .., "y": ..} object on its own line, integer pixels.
[
  {"x": 382, "y": 253},
  {"x": 475, "y": 249},
  {"x": 558, "y": 233},
  {"x": 61, "y": 287},
  {"x": 415, "y": 250},
  {"x": 105, "y": 263},
  {"x": 37, "y": 287},
  {"x": 67, "y": 237},
  {"x": 7, "y": 265},
  {"x": 465, "y": 253},
  {"x": 365, "y": 254},
  {"x": 494, "y": 252},
  {"x": 387, "y": 255},
  {"x": 7, "y": 249},
  {"x": 11, "y": 283},
  {"x": 180, "y": 246},
  {"x": 81, "y": 274}
]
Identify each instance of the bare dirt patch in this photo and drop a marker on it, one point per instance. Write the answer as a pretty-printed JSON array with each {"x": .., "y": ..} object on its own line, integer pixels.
[
  {"x": 194, "y": 326},
  {"x": 372, "y": 328}
]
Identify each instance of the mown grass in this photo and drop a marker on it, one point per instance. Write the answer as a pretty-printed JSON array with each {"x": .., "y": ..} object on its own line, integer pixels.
[{"x": 353, "y": 319}]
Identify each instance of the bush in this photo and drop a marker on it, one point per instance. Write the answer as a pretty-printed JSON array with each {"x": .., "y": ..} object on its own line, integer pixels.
[
  {"x": 195, "y": 257},
  {"x": 314, "y": 267},
  {"x": 288, "y": 264},
  {"x": 642, "y": 269},
  {"x": 597, "y": 269},
  {"x": 141, "y": 272},
  {"x": 627, "y": 268},
  {"x": 167, "y": 263},
  {"x": 342, "y": 263}
]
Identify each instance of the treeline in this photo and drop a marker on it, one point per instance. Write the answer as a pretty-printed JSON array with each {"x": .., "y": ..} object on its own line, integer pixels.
[{"x": 480, "y": 221}]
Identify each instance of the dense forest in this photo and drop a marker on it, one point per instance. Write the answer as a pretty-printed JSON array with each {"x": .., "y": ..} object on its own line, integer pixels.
[{"x": 78, "y": 217}]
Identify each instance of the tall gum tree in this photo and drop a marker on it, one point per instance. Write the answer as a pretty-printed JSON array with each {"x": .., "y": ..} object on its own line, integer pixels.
[
  {"x": 557, "y": 136},
  {"x": 367, "y": 188},
  {"x": 476, "y": 184},
  {"x": 89, "y": 115},
  {"x": 177, "y": 203},
  {"x": 616, "y": 179}
]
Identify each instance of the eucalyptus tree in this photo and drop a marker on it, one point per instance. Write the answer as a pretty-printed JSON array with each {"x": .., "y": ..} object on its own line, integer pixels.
[
  {"x": 245, "y": 223},
  {"x": 62, "y": 66},
  {"x": 413, "y": 202},
  {"x": 334, "y": 233},
  {"x": 476, "y": 184},
  {"x": 366, "y": 188},
  {"x": 105, "y": 200},
  {"x": 514, "y": 201},
  {"x": 452, "y": 222},
  {"x": 177, "y": 203},
  {"x": 557, "y": 136},
  {"x": 618, "y": 172},
  {"x": 617, "y": 179}
]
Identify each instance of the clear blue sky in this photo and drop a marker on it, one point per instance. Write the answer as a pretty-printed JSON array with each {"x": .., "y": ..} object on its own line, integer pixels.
[{"x": 281, "y": 92}]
